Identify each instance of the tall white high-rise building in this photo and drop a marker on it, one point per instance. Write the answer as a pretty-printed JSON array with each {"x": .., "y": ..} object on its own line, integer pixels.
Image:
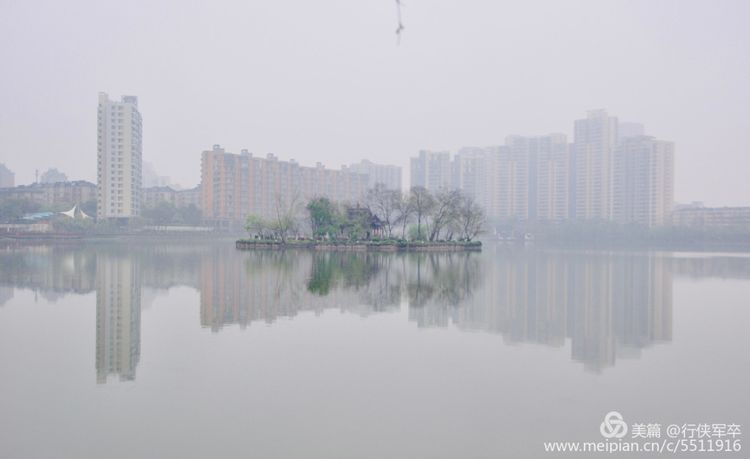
[
  {"x": 508, "y": 183},
  {"x": 547, "y": 160},
  {"x": 119, "y": 158},
  {"x": 470, "y": 171},
  {"x": 431, "y": 170},
  {"x": 643, "y": 177},
  {"x": 591, "y": 181},
  {"x": 627, "y": 129}
]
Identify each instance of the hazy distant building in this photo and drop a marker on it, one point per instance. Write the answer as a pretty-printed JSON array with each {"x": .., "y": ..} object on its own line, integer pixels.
[
  {"x": 626, "y": 129},
  {"x": 57, "y": 195},
  {"x": 547, "y": 160},
  {"x": 7, "y": 177},
  {"x": 431, "y": 170},
  {"x": 643, "y": 181},
  {"x": 119, "y": 158},
  {"x": 235, "y": 186},
  {"x": 713, "y": 217},
  {"x": 591, "y": 179},
  {"x": 387, "y": 175},
  {"x": 188, "y": 197},
  {"x": 471, "y": 173},
  {"x": 509, "y": 184},
  {"x": 151, "y": 178},
  {"x": 53, "y": 175},
  {"x": 152, "y": 196}
]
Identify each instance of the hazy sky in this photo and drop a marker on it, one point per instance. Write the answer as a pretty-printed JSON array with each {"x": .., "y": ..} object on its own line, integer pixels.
[{"x": 325, "y": 80}]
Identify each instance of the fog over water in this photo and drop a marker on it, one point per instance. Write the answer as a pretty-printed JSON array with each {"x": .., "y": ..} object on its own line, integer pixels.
[{"x": 326, "y": 81}]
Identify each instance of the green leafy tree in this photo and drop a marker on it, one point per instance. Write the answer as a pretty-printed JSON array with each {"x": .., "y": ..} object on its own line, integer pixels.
[
  {"x": 190, "y": 215},
  {"x": 163, "y": 213},
  {"x": 325, "y": 218},
  {"x": 13, "y": 209},
  {"x": 89, "y": 208},
  {"x": 257, "y": 226}
]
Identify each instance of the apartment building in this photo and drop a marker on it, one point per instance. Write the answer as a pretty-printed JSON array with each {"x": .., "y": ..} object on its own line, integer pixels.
[
  {"x": 235, "y": 186},
  {"x": 595, "y": 138},
  {"x": 643, "y": 181},
  {"x": 384, "y": 174},
  {"x": 119, "y": 158},
  {"x": 53, "y": 195},
  {"x": 431, "y": 170}
]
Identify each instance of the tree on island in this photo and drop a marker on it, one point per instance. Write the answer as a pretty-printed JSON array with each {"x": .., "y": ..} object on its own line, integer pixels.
[
  {"x": 385, "y": 204},
  {"x": 469, "y": 218},
  {"x": 422, "y": 203},
  {"x": 444, "y": 211},
  {"x": 325, "y": 218},
  {"x": 444, "y": 216},
  {"x": 405, "y": 210}
]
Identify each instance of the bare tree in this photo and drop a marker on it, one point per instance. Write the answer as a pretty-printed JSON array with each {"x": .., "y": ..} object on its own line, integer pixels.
[
  {"x": 286, "y": 212},
  {"x": 444, "y": 211},
  {"x": 469, "y": 218},
  {"x": 384, "y": 203},
  {"x": 405, "y": 212},
  {"x": 422, "y": 203}
]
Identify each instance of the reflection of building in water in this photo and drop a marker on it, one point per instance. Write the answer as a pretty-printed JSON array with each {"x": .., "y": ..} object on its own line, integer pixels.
[
  {"x": 263, "y": 286},
  {"x": 699, "y": 266},
  {"x": 6, "y": 294},
  {"x": 118, "y": 316},
  {"x": 437, "y": 286},
  {"x": 607, "y": 305},
  {"x": 51, "y": 271}
]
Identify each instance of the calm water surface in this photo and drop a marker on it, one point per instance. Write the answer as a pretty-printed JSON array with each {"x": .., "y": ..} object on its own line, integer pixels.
[{"x": 198, "y": 350}]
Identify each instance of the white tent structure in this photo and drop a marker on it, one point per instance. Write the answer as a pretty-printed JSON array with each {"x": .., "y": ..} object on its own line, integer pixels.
[{"x": 76, "y": 213}]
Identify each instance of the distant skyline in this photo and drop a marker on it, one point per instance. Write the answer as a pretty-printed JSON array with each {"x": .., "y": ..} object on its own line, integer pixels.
[{"x": 326, "y": 81}]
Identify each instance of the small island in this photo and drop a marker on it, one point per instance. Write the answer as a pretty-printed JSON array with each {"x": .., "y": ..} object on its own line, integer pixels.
[
  {"x": 388, "y": 221},
  {"x": 377, "y": 245}
]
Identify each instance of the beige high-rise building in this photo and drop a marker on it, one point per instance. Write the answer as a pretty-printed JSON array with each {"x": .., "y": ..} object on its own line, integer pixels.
[
  {"x": 119, "y": 158},
  {"x": 591, "y": 181},
  {"x": 235, "y": 186},
  {"x": 643, "y": 181}
]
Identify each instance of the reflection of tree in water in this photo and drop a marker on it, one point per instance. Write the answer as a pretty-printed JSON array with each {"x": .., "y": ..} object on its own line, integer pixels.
[
  {"x": 380, "y": 279},
  {"x": 283, "y": 267},
  {"x": 347, "y": 270},
  {"x": 441, "y": 279}
]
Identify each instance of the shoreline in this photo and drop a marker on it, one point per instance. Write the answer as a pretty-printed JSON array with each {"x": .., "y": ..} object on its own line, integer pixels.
[{"x": 371, "y": 246}]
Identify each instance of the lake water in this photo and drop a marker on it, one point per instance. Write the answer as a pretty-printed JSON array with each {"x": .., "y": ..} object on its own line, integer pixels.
[{"x": 198, "y": 350}]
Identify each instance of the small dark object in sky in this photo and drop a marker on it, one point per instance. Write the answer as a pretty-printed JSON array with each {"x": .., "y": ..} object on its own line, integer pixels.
[{"x": 400, "y": 27}]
